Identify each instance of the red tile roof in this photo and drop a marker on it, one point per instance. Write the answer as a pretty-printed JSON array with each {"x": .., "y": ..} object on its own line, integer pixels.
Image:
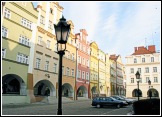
[{"x": 144, "y": 50}]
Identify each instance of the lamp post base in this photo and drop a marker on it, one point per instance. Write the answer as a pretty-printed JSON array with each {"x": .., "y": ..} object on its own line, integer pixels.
[{"x": 59, "y": 111}]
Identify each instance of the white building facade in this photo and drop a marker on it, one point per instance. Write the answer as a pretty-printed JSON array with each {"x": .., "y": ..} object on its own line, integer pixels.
[{"x": 147, "y": 62}]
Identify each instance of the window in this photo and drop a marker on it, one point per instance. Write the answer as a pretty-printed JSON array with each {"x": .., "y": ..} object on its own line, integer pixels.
[
  {"x": 3, "y": 53},
  {"x": 24, "y": 40},
  {"x": 79, "y": 74},
  {"x": 155, "y": 79},
  {"x": 139, "y": 70},
  {"x": 147, "y": 79},
  {"x": 132, "y": 70},
  {"x": 50, "y": 25},
  {"x": 41, "y": 19},
  {"x": 7, "y": 13},
  {"x": 67, "y": 71},
  {"x": 87, "y": 76},
  {"x": 87, "y": 63},
  {"x": 143, "y": 60},
  {"x": 38, "y": 60},
  {"x": 135, "y": 60},
  {"x": 78, "y": 59},
  {"x": 26, "y": 23},
  {"x": 68, "y": 55},
  {"x": 152, "y": 59},
  {"x": 48, "y": 44},
  {"x": 72, "y": 56},
  {"x": 72, "y": 72},
  {"x": 154, "y": 69},
  {"x": 4, "y": 31},
  {"x": 83, "y": 61},
  {"x": 132, "y": 80},
  {"x": 22, "y": 58},
  {"x": 55, "y": 67},
  {"x": 83, "y": 75},
  {"x": 39, "y": 40},
  {"x": 46, "y": 65},
  {"x": 146, "y": 70}
]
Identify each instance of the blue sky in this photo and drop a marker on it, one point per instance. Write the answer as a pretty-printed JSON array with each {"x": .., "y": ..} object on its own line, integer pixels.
[{"x": 117, "y": 27}]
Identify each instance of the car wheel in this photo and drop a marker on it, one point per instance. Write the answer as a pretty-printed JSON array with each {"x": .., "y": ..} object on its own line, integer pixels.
[
  {"x": 98, "y": 105},
  {"x": 119, "y": 105}
]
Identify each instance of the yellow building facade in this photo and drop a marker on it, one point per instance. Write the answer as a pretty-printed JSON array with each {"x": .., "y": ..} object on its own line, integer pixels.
[
  {"x": 94, "y": 86},
  {"x": 17, "y": 33}
]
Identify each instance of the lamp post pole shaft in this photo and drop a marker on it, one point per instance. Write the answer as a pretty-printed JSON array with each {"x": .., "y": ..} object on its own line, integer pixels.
[
  {"x": 138, "y": 90},
  {"x": 59, "y": 110}
]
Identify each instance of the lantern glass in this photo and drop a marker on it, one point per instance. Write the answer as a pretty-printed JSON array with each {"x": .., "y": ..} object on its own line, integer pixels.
[
  {"x": 137, "y": 75},
  {"x": 65, "y": 33},
  {"x": 58, "y": 32}
]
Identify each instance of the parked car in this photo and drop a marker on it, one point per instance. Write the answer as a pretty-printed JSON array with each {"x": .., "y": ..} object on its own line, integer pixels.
[
  {"x": 129, "y": 99},
  {"x": 108, "y": 101},
  {"x": 122, "y": 99}
]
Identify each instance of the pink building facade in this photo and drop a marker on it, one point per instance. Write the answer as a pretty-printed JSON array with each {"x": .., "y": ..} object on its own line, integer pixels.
[{"x": 83, "y": 66}]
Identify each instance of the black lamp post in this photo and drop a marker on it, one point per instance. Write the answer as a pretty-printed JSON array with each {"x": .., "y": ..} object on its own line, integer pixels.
[
  {"x": 150, "y": 93},
  {"x": 138, "y": 78},
  {"x": 62, "y": 30}
]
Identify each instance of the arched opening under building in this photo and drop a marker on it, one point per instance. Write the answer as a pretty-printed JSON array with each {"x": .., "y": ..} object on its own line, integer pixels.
[
  {"x": 154, "y": 93},
  {"x": 67, "y": 90},
  {"x": 135, "y": 93},
  {"x": 82, "y": 92},
  {"x": 94, "y": 92},
  {"x": 44, "y": 88},
  {"x": 13, "y": 84}
]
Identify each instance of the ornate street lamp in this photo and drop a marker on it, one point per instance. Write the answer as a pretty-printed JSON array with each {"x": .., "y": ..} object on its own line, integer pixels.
[
  {"x": 138, "y": 78},
  {"x": 62, "y": 30},
  {"x": 150, "y": 93}
]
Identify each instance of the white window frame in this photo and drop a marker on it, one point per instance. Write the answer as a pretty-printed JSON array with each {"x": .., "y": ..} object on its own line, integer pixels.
[
  {"x": 72, "y": 72},
  {"x": 38, "y": 60},
  {"x": 55, "y": 68},
  {"x": 87, "y": 76},
  {"x": 46, "y": 65},
  {"x": 147, "y": 79},
  {"x": 68, "y": 71},
  {"x": 154, "y": 69},
  {"x": 132, "y": 80},
  {"x": 7, "y": 13},
  {"x": 42, "y": 19},
  {"x": 48, "y": 43},
  {"x": 72, "y": 56},
  {"x": 22, "y": 58},
  {"x": 83, "y": 75},
  {"x": 4, "y": 32},
  {"x": 3, "y": 53},
  {"x": 156, "y": 79},
  {"x": 79, "y": 73},
  {"x": 39, "y": 40}
]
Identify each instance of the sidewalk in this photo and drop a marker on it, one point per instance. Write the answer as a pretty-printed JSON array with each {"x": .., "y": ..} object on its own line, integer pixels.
[{"x": 11, "y": 105}]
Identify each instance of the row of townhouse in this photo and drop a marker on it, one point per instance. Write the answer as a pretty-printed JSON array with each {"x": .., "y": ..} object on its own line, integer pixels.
[{"x": 30, "y": 62}]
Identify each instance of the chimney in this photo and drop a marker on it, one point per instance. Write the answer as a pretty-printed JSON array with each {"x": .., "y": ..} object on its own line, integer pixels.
[
  {"x": 151, "y": 48},
  {"x": 141, "y": 47},
  {"x": 135, "y": 49}
]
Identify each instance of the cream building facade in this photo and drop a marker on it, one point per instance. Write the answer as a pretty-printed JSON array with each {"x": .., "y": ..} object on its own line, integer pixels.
[{"x": 101, "y": 72}]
